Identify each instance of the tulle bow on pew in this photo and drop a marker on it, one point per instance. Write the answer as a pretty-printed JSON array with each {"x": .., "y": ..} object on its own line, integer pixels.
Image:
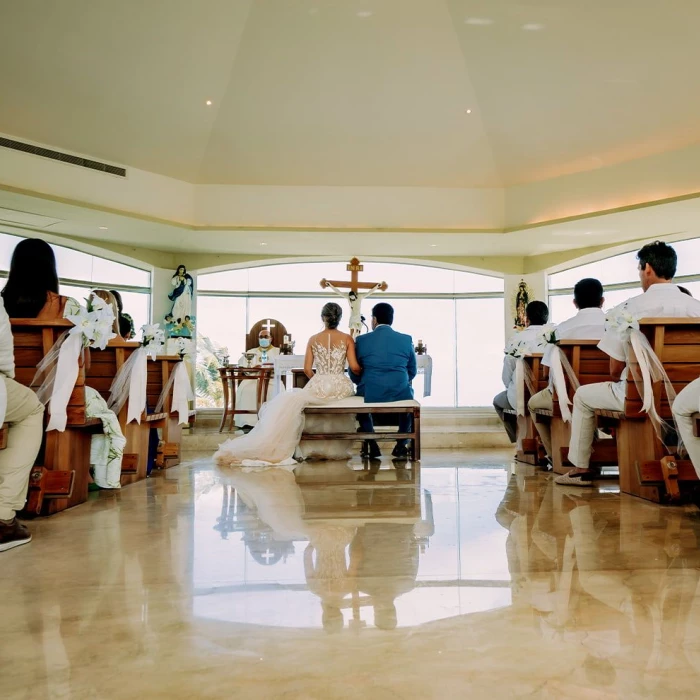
[
  {"x": 559, "y": 369},
  {"x": 130, "y": 382},
  {"x": 58, "y": 371},
  {"x": 644, "y": 366},
  {"x": 179, "y": 382}
]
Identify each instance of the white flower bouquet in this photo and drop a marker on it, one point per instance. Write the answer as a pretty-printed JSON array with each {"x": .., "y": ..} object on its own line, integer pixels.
[
  {"x": 621, "y": 321},
  {"x": 94, "y": 321},
  {"x": 153, "y": 339}
]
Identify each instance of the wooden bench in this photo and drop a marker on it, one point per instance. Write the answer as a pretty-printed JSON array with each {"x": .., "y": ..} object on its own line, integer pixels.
[
  {"x": 529, "y": 450},
  {"x": 60, "y": 478},
  {"x": 100, "y": 372},
  {"x": 355, "y": 405},
  {"x": 159, "y": 373},
  {"x": 646, "y": 470},
  {"x": 590, "y": 365}
]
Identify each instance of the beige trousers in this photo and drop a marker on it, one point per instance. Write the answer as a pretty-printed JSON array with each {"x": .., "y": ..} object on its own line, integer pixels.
[
  {"x": 25, "y": 417},
  {"x": 688, "y": 402},
  {"x": 586, "y": 400},
  {"x": 542, "y": 399}
]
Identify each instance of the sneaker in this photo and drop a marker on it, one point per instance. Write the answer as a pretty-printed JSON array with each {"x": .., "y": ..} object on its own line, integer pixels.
[
  {"x": 575, "y": 479},
  {"x": 13, "y": 535}
]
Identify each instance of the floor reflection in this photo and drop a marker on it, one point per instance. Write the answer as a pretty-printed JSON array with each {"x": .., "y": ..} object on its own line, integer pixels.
[{"x": 482, "y": 574}]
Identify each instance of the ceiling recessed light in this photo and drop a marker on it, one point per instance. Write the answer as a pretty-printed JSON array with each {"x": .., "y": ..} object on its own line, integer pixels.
[
  {"x": 263, "y": 244},
  {"x": 364, "y": 14},
  {"x": 103, "y": 228},
  {"x": 478, "y": 21},
  {"x": 433, "y": 245},
  {"x": 533, "y": 27},
  {"x": 469, "y": 111},
  {"x": 208, "y": 103}
]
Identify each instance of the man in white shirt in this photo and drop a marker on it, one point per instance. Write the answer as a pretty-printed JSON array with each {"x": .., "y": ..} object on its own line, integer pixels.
[
  {"x": 24, "y": 414},
  {"x": 587, "y": 324},
  {"x": 527, "y": 341},
  {"x": 657, "y": 266},
  {"x": 247, "y": 391}
]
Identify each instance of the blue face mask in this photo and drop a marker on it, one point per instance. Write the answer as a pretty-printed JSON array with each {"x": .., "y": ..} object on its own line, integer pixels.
[{"x": 265, "y": 342}]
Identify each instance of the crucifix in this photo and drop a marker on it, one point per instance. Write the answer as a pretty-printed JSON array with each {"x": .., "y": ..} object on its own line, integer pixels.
[
  {"x": 353, "y": 297},
  {"x": 268, "y": 325}
]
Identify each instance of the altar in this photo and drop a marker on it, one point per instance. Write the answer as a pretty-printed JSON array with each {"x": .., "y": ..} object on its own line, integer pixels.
[{"x": 284, "y": 364}]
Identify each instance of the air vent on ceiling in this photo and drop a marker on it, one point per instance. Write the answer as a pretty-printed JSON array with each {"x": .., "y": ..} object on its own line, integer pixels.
[{"x": 63, "y": 157}]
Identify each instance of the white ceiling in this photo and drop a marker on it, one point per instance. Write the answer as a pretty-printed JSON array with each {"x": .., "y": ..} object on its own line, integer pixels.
[{"x": 353, "y": 92}]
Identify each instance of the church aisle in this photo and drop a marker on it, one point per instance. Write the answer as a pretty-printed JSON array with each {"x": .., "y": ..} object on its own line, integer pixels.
[{"x": 472, "y": 578}]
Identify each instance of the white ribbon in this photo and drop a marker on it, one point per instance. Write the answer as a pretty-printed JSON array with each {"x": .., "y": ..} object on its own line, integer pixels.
[
  {"x": 520, "y": 386},
  {"x": 182, "y": 393},
  {"x": 66, "y": 374},
  {"x": 130, "y": 383},
  {"x": 558, "y": 363}
]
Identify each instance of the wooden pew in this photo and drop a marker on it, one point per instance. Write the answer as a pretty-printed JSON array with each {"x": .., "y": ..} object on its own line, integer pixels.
[
  {"x": 159, "y": 372},
  {"x": 590, "y": 365},
  {"x": 60, "y": 478},
  {"x": 100, "y": 373},
  {"x": 646, "y": 470},
  {"x": 530, "y": 449}
]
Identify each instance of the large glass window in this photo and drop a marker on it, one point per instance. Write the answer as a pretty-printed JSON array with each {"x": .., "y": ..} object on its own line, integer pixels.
[
  {"x": 620, "y": 278},
  {"x": 80, "y": 272},
  {"x": 438, "y": 306}
]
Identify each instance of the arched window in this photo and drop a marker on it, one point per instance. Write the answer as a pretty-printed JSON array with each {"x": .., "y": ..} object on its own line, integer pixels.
[
  {"x": 458, "y": 315},
  {"x": 619, "y": 275},
  {"x": 80, "y": 272}
]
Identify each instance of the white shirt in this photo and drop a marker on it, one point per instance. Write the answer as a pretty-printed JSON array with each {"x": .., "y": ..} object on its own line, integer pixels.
[
  {"x": 587, "y": 324},
  {"x": 272, "y": 352},
  {"x": 529, "y": 340},
  {"x": 659, "y": 300}
]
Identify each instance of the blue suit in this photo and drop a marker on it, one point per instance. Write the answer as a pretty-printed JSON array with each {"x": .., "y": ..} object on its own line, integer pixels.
[{"x": 388, "y": 364}]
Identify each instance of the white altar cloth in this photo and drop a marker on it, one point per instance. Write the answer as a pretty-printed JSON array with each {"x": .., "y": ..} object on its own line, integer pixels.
[{"x": 284, "y": 364}]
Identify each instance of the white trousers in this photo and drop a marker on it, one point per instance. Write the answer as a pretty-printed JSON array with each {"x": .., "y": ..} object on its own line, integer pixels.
[
  {"x": 586, "y": 400},
  {"x": 688, "y": 402},
  {"x": 542, "y": 399},
  {"x": 25, "y": 417}
]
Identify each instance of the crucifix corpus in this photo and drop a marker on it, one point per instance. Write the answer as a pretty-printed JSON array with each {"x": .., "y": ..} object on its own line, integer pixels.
[{"x": 353, "y": 296}]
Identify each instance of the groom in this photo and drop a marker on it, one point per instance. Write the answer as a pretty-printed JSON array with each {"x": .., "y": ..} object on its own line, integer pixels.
[{"x": 388, "y": 365}]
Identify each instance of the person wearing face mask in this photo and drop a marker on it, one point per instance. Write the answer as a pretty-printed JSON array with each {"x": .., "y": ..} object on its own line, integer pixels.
[{"x": 246, "y": 396}]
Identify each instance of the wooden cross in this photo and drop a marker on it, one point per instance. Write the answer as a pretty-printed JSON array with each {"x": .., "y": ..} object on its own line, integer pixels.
[
  {"x": 268, "y": 325},
  {"x": 354, "y": 267}
]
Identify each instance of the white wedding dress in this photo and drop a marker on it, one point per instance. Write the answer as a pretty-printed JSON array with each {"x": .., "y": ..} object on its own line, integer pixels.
[{"x": 275, "y": 438}]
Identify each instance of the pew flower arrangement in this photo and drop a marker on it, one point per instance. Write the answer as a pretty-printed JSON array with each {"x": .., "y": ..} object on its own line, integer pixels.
[
  {"x": 516, "y": 348},
  {"x": 621, "y": 321},
  {"x": 94, "y": 322},
  {"x": 548, "y": 335},
  {"x": 153, "y": 339}
]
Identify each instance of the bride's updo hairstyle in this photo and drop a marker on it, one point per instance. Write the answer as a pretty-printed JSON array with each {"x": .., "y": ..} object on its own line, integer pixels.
[{"x": 331, "y": 315}]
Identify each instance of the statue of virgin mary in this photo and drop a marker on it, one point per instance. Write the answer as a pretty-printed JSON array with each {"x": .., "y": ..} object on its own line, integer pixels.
[{"x": 181, "y": 296}]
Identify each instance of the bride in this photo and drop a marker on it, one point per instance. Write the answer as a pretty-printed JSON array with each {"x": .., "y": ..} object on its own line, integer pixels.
[{"x": 275, "y": 437}]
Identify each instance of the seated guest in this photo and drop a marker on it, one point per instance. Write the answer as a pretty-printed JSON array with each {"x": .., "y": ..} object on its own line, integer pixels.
[
  {"x": 127, "y": 329},
  {"x": 32, "y": 292},
  {"x": 587, "y": 324},
  {"x": 247, "y": 392},
  {"x": 388, "y": 364},
  {"x": 686, "y": 404},
  {"x": 525, "y": 342},
  {"x": 661, "y": 298},
  {"x": 24, "y": 415}
]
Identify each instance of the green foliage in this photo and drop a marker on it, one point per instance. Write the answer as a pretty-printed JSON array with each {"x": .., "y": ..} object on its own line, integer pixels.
[{"x": 206, "y": 379}]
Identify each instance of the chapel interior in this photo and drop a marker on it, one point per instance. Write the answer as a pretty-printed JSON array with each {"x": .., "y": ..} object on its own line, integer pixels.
[{"x": 229, "y": 167}]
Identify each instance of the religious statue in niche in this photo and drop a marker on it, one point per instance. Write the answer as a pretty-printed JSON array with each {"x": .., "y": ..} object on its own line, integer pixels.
[
  {"x": 353, "y": 297},
  {"x": 522, "y": 299},
  {"x": 181, "y": 296}
]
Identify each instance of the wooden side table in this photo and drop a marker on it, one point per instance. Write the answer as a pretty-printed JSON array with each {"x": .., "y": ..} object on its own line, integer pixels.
[{"x": 231, "y": 378}]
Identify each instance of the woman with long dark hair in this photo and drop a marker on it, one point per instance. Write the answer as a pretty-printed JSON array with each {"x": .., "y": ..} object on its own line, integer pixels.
[{"x": 32, "y": 285}]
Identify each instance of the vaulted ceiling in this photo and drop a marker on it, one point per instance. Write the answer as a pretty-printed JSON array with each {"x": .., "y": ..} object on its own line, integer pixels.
[{"x": 422, "y": 93}]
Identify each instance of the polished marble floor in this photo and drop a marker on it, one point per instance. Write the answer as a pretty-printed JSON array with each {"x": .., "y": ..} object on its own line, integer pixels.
[{"x": 472, "y": 577}]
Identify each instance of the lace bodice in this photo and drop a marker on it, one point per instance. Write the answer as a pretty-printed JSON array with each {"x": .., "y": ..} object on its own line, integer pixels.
[{"x": 329, "y": 359}]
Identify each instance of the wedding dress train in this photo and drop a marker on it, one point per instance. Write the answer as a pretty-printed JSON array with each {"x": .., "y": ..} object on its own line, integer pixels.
[{"x": 276, "y": 436}]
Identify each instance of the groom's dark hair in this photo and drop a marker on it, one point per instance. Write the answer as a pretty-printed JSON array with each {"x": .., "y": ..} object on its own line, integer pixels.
[{"x": 384, "y": 313}]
